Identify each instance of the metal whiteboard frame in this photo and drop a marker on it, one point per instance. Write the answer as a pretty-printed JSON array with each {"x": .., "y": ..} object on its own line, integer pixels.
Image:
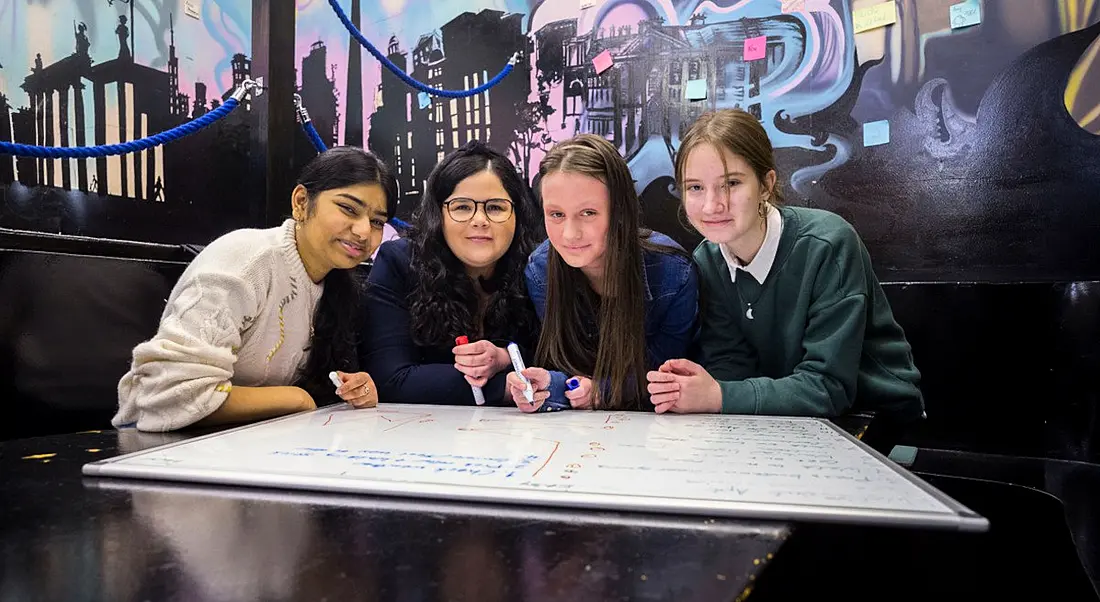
[{"x": 961, "y": 518}]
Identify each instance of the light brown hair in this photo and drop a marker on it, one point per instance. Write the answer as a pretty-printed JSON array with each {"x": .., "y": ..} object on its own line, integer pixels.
[
  {"x": 618, "y": 356},
  {"x": 738, "y": 132}
]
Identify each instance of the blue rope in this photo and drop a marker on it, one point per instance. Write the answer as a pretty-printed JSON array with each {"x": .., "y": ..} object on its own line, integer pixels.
[
  {"x": 314, "y": 137},
  {"x": 355, "y": 33},
  {"x": 133, "y": 146},
  {"x": 319, "y": 145}
]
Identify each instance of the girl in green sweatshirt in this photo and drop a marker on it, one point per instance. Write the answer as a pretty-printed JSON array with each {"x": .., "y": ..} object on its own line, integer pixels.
[{"x": 793, "y": 320}]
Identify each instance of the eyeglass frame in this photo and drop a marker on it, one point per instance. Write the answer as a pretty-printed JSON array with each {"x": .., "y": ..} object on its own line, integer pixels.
[{"x": 477, "y": 204}]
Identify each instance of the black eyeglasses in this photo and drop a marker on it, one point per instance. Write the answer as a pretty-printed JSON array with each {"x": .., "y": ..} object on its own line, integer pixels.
[{"x": 463, "y": 210}]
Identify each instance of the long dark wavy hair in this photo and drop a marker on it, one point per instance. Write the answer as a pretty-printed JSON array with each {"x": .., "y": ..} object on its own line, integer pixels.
[
  {"x": 335, "y": 328},
  {"x": 618, "y": 354},
  {"x": 443, "y": 302}
]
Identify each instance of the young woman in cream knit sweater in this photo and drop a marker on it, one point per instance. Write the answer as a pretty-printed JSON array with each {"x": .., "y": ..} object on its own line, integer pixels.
[{"x": 260, "y": 317}]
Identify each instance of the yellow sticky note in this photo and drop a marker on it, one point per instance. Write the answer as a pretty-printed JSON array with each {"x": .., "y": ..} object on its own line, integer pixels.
[{"x": 874, "y": 16}]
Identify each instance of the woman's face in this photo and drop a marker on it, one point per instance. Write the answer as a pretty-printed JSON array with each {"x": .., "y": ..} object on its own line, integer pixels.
[
  {"x": 343, "y": 228},
  {"x": 479, "y": 222},
  {"x": 722, "y": 195},
  {"x": 577, "y": 212}
]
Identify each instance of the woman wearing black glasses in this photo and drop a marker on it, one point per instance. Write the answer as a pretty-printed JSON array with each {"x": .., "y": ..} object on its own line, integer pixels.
[{"x": 458, "y": 277}]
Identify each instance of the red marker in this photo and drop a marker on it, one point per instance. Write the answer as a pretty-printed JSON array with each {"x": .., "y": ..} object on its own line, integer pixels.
[{"x": 479, "y": 397}]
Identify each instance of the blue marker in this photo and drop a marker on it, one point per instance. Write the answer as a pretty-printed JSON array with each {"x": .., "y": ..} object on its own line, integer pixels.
[{"x": 555, "y": 406}]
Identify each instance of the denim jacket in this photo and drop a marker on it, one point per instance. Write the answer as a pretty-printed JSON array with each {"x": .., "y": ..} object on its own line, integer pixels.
[{"x": 671, "y": 306}]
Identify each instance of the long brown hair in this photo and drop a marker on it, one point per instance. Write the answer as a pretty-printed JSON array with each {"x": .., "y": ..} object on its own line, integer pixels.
[
  {"x": 618, "y": 355},
  {"x": 738, "y": 132}
]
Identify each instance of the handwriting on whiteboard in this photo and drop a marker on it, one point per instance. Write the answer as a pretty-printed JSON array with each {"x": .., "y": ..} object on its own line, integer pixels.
[
  {"x": 399, "y": 460},
  {"x": 747, "y": 459}
]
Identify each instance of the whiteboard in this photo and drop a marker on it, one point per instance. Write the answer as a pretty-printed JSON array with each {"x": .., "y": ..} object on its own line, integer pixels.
[{"x": 761, "y": 467}]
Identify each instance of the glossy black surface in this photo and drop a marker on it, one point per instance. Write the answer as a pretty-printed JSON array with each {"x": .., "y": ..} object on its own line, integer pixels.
[
  {"x": 1006, "y": 368},
  {"x": 1027, "y": 555},
  {"x": 1065, "y": 495},
  {"x": 64, "y": 537}
]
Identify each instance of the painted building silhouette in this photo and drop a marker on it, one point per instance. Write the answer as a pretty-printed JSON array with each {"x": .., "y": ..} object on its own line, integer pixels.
[
  {"x": 413, "y": 132},
  {"x": 644, "y": 94},
  {"x": 76, "y": 103}
]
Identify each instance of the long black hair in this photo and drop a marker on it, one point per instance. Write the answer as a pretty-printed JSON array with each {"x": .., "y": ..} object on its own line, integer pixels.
[
  {"x": 443, "y": 302},
  {"x": 333, "y": 345}
]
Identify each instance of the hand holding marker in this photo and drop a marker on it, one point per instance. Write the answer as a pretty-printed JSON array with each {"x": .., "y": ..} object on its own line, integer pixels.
[
  {"x": 557, "y": 406},
  {"x": 570, "y": 384},
  {"x": 355, "y": 389},
  {"x": 337, "y": 382},
  {"x": 479, "y": 397},
  {"x": 517, "y": 364}
]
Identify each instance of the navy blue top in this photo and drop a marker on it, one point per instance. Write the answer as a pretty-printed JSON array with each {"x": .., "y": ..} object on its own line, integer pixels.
[
  {"x": 403, "y": 371},
  {"x": 671, "y": 306}
]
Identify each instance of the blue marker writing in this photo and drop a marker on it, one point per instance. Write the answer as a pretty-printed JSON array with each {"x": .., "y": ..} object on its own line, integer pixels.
[{"x": 517, "y": 363}]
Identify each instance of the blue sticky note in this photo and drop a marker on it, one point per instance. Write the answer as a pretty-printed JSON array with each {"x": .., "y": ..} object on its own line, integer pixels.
[
  {"x": 876, "y": 133},
  {"x": 904, "y": 455},
  {"x": 966, "y": 14},
  {"x": 424, "y": 100},
  {"x": 696, "y": 89}
]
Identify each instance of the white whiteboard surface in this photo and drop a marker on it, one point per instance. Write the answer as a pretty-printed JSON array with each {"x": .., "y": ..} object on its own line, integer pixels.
[{"x": 757, "y": 467}]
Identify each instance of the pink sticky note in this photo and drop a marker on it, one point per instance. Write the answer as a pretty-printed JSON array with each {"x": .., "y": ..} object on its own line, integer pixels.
[
  {"x": 603, "y": 61},
  {"x": 754, "y": 48}
]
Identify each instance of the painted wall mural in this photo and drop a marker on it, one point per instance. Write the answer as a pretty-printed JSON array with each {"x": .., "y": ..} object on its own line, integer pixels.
[
  {"x": 992, "y": 169},
  {"x": 90, "y": 72}
]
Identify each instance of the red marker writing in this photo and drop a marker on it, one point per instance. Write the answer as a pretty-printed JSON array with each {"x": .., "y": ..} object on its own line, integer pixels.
[{"x": 479, "y": 397}]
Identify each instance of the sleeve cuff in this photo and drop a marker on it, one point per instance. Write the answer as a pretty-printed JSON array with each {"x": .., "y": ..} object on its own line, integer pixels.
[
  {"x": 739, "y": 397},
  {"x": 557, "y": 400}
]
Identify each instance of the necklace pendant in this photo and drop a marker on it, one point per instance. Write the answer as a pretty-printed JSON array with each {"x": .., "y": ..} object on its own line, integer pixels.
[{"x": 748, "y": 314}]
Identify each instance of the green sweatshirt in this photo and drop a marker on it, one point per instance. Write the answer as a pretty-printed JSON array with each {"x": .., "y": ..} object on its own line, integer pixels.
[{"x": 820, "y": 339}]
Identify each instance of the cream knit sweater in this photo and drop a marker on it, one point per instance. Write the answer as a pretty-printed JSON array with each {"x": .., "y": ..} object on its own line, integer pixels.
[{"x": 241, "y": 314}]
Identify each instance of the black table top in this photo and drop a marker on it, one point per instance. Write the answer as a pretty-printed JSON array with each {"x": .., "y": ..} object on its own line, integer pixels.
[{"x": 67, "y": 537}]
